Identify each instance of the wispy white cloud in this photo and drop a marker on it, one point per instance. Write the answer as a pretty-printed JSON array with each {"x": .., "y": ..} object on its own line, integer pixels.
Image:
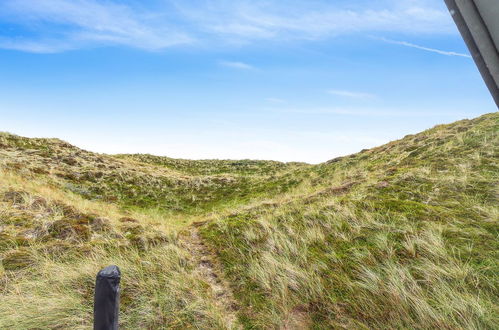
[
  {"x": 259, "y": 19},
  {"x": 275, "y": 100},
  {"x": 351, "y": 94},
  {"x": 237, "y": 65},
  {"x": 36, "y": 46},
  {"x": 368, "y": 112},
  {"x": 57, "y": 25},
  {"x": 428, "y": 49}
]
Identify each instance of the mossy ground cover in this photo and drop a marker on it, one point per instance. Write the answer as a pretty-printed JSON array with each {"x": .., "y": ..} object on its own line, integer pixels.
[{"x": 404, "y": 235}]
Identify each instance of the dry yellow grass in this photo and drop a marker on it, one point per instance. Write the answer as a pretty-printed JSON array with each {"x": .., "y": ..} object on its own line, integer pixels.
[
  {"x": 49, "y": 281},
  {"x": 404, "y": 235}
]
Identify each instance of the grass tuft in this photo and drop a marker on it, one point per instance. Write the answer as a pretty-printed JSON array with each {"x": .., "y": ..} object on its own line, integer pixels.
[{"x": 404, "y": 235}]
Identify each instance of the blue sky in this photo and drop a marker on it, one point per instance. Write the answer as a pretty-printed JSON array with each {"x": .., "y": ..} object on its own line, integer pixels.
[{"x": 304, "y": 80}]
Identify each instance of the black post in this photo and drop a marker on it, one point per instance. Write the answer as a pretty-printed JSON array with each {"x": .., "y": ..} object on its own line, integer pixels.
[{"x": 107, "y": 299}]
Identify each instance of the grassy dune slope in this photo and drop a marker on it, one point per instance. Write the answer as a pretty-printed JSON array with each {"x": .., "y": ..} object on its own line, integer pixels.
[
  {"x": 53, "y": 242},
  {"x": 146, "y": 181},
  {"x": 403, "y": 235},
  {"x": 65, "y": 213}
]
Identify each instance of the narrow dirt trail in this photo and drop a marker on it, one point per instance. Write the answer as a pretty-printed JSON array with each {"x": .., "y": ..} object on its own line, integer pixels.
[{"x": 210, "y": 270}]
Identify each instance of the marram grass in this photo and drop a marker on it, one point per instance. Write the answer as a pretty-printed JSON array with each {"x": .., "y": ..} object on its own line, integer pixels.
[{"x": 404, "y": 235}]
